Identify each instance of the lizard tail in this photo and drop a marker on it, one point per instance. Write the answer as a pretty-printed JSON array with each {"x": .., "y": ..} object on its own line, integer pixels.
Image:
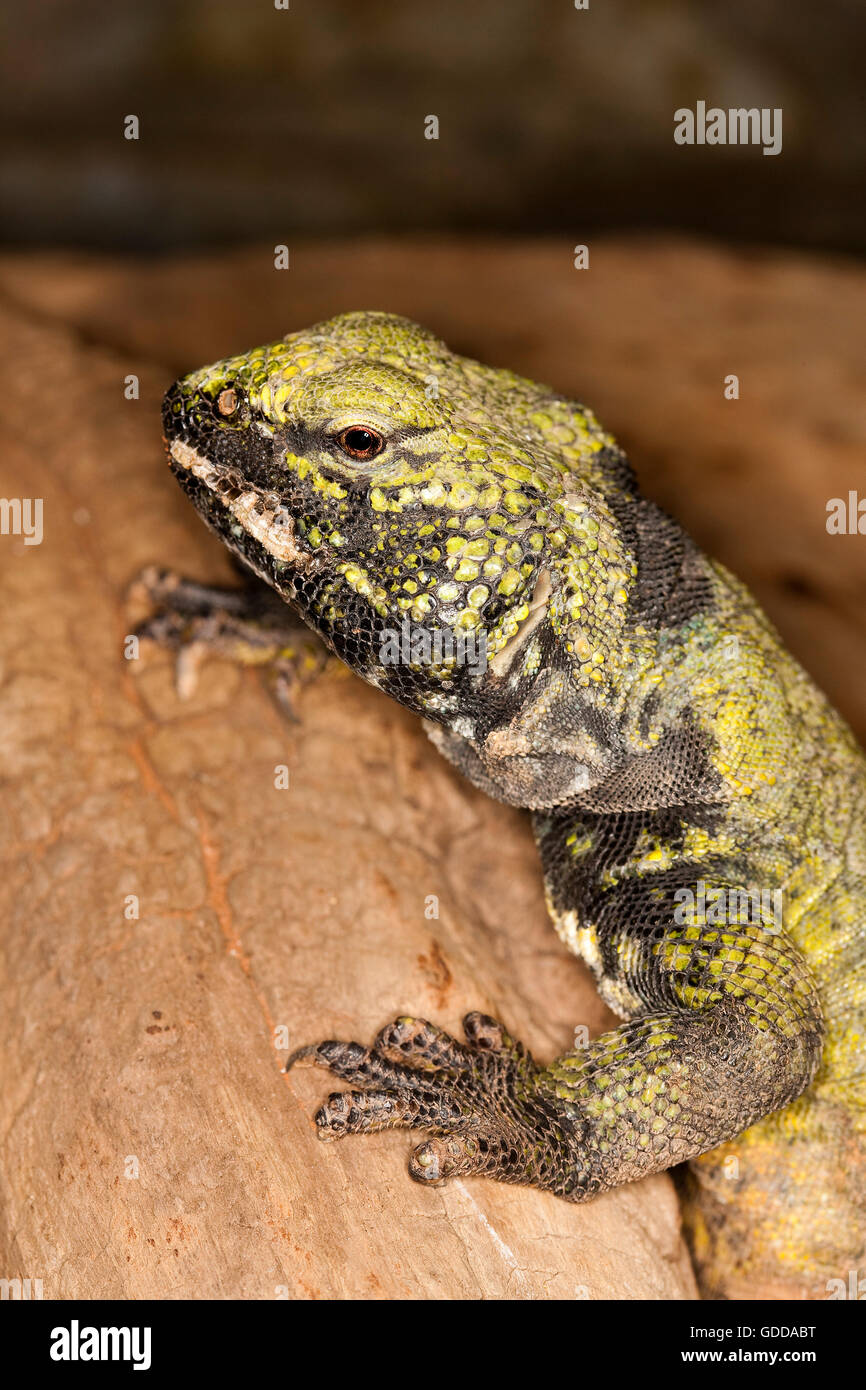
[{"x": 780, "y": 1212}]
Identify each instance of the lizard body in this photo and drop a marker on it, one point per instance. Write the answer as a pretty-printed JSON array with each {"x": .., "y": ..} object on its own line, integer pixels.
[{"x": 700, "y": 810}]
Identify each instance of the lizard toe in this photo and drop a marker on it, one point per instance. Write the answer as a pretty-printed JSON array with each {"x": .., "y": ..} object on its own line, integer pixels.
[
  {"x": 359, "y": 1065},
  {"x": 487, "y": 1034},
  {"x": 415, "y": 1040},
  {"x": 367, "y": 1112},
  {"x": 437, "y": 1160}
]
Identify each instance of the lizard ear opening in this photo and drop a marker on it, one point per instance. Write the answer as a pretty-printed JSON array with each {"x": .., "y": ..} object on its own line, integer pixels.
[{"x": 501, "y": 663}]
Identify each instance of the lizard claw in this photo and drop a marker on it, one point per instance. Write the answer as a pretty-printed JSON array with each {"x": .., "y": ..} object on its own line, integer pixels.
[{"x": 437, "y": 1160}]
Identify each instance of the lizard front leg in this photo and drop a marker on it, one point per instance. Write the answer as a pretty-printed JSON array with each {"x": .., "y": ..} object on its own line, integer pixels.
[
  {"x": 727, "y": 1028},
  {"x": 247, "y": 624}
]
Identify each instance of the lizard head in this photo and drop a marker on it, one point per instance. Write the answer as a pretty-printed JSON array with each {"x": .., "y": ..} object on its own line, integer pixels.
[{"x": 442, "y": 524}]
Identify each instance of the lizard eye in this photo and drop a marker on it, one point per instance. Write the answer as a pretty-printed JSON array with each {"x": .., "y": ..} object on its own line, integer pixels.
[
  {"x": 227, "y": 401},
  {"x": 359, "y": 442}
]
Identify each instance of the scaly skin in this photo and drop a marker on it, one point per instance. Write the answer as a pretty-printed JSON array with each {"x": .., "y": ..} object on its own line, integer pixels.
[{"x": 637, "y": 700}]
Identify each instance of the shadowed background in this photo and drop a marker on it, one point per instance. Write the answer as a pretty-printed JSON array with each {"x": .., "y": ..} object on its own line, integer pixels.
[{"x": 257, "y": 122}]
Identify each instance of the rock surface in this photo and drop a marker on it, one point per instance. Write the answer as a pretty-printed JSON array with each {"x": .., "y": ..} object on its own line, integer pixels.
[{"x": 152, "y": 1146}]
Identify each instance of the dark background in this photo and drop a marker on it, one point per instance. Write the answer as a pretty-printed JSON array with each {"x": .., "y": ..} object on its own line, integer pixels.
[{"x": 258, "y": 123}]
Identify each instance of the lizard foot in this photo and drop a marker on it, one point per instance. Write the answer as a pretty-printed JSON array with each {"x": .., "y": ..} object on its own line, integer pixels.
[
  {"x": 250, "y": 625},
  {"x": 479, "y": 1099}
]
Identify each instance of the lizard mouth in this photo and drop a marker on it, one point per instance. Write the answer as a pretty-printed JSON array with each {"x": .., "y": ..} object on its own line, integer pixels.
[{"x": 261, "y": 513}]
